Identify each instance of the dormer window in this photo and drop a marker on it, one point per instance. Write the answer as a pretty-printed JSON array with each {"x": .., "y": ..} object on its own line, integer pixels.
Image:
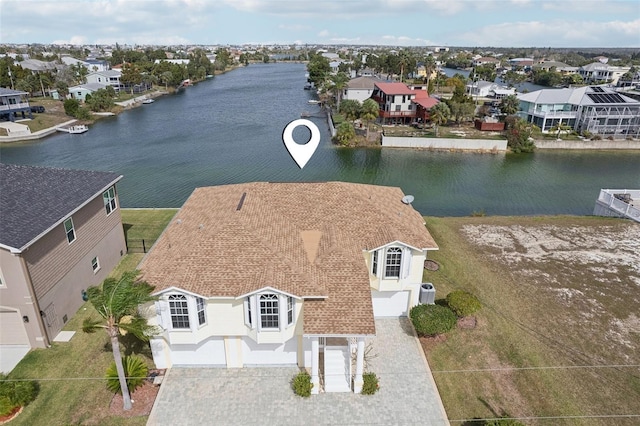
[
  {"x": 269, "y": 311},
  {"x": 392, "y": 262}
]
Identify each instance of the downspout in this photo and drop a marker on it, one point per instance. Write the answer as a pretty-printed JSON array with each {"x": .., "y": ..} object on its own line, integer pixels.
[{"x": 36, "y": 304}]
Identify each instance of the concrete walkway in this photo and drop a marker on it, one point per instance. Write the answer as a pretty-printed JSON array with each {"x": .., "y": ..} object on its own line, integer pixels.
[{"x": 261, "y": 396}]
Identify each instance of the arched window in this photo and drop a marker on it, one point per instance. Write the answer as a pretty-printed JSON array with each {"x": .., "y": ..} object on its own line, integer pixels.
[
  {"x": 393, "y": 262},
  {"x": 269, "y": 312},
  {"x": 179, "y": 311}
]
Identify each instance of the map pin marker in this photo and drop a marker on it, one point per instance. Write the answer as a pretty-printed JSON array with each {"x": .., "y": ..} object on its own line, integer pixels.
[{"x": 301, "y": 153}]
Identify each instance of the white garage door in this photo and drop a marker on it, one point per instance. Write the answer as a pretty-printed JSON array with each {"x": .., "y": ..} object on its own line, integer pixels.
[
  {"x": 12, "y": 331},
  {"x": 209, "y": 352},
  {"x": 254, "y": 354},
  {"x": 390, "y": 303}
]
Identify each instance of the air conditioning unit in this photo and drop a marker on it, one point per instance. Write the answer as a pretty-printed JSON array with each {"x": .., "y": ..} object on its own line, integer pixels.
[{"x": 427, "y": 294}]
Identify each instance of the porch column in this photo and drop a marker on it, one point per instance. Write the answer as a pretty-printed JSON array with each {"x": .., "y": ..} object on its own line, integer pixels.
[
  {"x": 315, "y": 361},
  {"x": 357, "y": 381}
]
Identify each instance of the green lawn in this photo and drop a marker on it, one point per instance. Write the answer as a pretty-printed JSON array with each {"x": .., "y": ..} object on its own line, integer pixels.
[
  {"x": 553, "y": 297},
  {"x": 72, "y": 389}
]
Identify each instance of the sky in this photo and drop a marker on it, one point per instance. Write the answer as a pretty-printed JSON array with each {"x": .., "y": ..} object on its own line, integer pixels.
[{"x": 469, "y": 23}]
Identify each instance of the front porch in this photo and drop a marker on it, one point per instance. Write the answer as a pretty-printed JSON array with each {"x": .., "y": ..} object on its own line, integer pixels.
[{"x": 337, "y": 363}]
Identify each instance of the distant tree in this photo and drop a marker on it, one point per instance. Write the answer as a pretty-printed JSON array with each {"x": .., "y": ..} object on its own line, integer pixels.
[
  {"x": 461, "y": 110},
  {"x": 547, "y": 78},
  {"x": 486, "y": 72},
  {"x": 117, "y": 302},
  {"x": 338, "y": 83},
  {"x": 439, "y": 115},
  {"x": 370, "y": 112},
  {"x": 572, "y": 79},
  {"x": 351, "y": 109},
  {"x": 101, "y": 100},
  {"x": 512, "y": 78},
  {"x": 345, "y": 134},
  {"x": 130, "y": 75},
  {"x": 319, "y": 69},
  {"x": 519, "y": 136},
  {"x": 510, "y": 105}
]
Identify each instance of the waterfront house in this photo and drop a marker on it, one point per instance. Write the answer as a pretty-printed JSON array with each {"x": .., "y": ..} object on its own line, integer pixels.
[
  {"x": 594, "y": 109},
  {"x": 14, "y": 104},
  {"x": 400, "y": 104},
  {"x": 360, "y": 88},
  {"x": 60, "y": 233},
  {"x": 486, "y": 60},
  {"x": 81, "y": 91},
  {"x": 260, "y": 274},
  {"x": 489, "y": 89},
  {"x": 598, "y": 72},
  {"x": 110, "y": 77}
]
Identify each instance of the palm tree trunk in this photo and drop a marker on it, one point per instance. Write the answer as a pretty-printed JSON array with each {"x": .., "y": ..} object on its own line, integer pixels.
[{"x": 126, "y": 398}]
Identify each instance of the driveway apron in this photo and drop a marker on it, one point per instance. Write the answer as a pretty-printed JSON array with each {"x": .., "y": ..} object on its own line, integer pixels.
[{"x": 263, "y": 396}]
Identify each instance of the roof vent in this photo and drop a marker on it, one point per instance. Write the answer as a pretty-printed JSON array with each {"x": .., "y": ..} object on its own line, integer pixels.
[{"x": 407, "y": 199}]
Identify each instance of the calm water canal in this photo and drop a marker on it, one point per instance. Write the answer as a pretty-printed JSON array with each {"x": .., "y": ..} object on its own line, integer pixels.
[{"x": 229, "y": 130}]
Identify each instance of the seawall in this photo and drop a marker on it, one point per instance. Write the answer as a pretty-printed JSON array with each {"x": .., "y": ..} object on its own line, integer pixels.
[{"x": 493, "y": 145}]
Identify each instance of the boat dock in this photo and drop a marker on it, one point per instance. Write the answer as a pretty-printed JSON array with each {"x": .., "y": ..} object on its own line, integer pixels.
[{"x": 618, "y": 203}]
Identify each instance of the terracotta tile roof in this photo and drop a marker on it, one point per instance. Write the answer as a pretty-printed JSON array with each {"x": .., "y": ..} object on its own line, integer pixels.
[
  {"x": 395, "y": 88},
  {"x": 216, "y": 247}
]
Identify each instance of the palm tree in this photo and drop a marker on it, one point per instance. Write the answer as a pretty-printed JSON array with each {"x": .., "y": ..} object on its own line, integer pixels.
[
  {"x": 369, "y": 112},
  {"x": 117, "y": 303},
  {"x": 439, "y": 114},
  {"x": 510, "y": 105},
  {"x": 339, "y": 81}
]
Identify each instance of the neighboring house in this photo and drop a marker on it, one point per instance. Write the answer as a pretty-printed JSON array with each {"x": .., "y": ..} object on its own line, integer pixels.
[
  {"x": 598, "y": 110},
  {"x": 489, "y": 89},
  {"x": 560, "y": 67},
  {"x": 60, "y": 233},
  {"x": 12, "y": 103},
  {"x": 598, "y": 72},
  {"x": 263, "y": 273},
  {"x": 399, "y": 103},
  {"x": 486, "y": 60},
  {"x": 95, "y": 65},
  {"x": 110, "y": 77},
  {"x": 81, "y": 91},
  {"x": 521, "y": 63},
  {"x": 36, "y": 65},
  {"x": 359, "y": 88}
]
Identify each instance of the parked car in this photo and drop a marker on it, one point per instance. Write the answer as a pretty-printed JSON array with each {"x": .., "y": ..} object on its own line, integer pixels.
[{"x": 37, "y": 108}]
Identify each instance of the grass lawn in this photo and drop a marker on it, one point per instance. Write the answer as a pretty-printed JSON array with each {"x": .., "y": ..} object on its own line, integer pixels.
[
  {"x": 72, "y": 389},
  {"x": 557, "y": 291}
]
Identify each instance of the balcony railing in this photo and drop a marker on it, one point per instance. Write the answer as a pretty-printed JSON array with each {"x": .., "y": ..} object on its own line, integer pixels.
[
  {"x": 622, "y": 201},
  {"x": 11, "y": 107},
  {"x": 387, "y": 114}
]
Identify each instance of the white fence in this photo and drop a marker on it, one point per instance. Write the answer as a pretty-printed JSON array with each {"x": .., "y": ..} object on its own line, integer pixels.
[
  {"x": 445, "y": 143},
  {"x": 618, "y": 203}
]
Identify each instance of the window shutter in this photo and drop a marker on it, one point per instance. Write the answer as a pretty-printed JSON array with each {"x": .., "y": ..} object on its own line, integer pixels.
[
  {"x": 162, "y": 309},
  {"x": 406, "y": 261},
  {"x": 248, "y": 310}
]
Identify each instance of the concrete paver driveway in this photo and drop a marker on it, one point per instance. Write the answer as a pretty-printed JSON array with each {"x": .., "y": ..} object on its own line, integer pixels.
[{"x": 263, "y": 396}]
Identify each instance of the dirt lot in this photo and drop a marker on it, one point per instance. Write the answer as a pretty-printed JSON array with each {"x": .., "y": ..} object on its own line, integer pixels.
[{"x": 559, "y": 332}]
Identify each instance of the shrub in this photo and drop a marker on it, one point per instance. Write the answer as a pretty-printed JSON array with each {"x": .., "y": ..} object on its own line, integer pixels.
[
  {"x": 302, "y": 385},
  {"x": 135, "y": 370},
  {"x": 370, "y": 384},
  {"x": 430, "y": 320},
  {"x": 463, "y": 303},
  {"x": 15, "y": 394},
  {"x": 71, "y": 107}
]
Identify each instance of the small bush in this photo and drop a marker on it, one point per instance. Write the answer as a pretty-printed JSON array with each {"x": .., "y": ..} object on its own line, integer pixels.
[
  {"x": 15, "y": 394},
  {"x": 370, "y": 385},
  {"x": 302, "y": 385},
  {"x": 430, "y": 320},
  {"x": 463, "y": 303},
  {"x": 135, "y": 370}
]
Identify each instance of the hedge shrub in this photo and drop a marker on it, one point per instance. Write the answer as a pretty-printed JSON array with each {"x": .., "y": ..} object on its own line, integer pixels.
[
  {"x": 302, "y": 385},
  {"x": 370, "y": 385},
  {"x": 430, "y": 320},
  {"x": 135, "y": 370},
  {"x": 463, "y": 303},
  {"x": 14, "y": 394}
]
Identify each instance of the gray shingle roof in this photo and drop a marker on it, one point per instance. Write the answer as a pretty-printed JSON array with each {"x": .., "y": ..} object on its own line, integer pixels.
[{"x": 34, "y": 199}]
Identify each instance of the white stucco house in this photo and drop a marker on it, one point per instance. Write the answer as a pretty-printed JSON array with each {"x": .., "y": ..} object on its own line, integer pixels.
[
  {"x": 261, "y": 274},
  {"x": 360, "y": 88}
]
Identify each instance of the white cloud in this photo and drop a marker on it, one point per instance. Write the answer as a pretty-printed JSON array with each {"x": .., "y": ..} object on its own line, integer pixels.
[
  {"x": 556, "y": 33},
  {"x": 323, "y": 33}
]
